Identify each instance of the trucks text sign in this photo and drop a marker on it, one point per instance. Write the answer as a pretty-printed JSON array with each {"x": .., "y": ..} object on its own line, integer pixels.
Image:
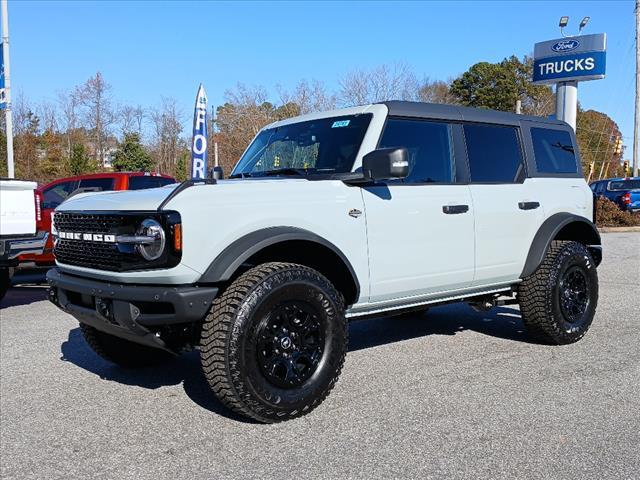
[{"x": 570, "y": 59}]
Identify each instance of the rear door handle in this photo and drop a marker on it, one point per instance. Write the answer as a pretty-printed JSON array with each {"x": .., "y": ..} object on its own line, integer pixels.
[
  {"x": 528, "y": 205},
  {"x": 453, "y": 209}
]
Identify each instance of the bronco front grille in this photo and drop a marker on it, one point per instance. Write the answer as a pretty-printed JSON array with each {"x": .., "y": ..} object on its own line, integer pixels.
[{"x": 74, "y": 245}]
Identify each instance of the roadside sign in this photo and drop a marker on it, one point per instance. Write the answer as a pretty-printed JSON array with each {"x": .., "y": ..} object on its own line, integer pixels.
[{"x": 568, "y": 59}]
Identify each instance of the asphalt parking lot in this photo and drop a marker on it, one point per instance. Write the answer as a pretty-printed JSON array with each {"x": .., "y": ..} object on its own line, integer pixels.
[{"x": 453, "y": 394}]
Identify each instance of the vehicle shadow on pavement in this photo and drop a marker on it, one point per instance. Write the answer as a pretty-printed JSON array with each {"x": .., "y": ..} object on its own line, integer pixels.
[
  {"x": 500, "y": 322},
  {"x": 17, "y": 296},
  {"x": 184, "y": 369}
]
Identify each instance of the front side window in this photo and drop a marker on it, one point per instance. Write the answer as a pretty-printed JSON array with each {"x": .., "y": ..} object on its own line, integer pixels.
[
  {"x": 325, "y": 145},
  {"x": 553, "y": 151},
  {"x": 494, "y": 153},
  {"x": 55, "y": 195},
  {"x": 429, "y": 147}
]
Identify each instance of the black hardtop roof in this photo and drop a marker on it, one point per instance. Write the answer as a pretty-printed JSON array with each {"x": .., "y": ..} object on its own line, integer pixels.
[{"x": 399, "y": 108}]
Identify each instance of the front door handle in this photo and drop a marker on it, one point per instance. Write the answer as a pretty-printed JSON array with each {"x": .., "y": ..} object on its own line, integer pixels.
[
  {"x": 453, "y": 209},
  {"x": 528, "y": 205}
]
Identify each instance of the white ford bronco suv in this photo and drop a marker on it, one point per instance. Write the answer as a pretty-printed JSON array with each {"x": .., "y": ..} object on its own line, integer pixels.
[{"x": 382, "y": 209}]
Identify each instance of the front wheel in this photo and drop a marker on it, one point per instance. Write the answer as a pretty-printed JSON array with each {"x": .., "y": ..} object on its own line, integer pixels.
[
  {"x": 558, "y": 301},
  {"x": 274, "y": 343}
]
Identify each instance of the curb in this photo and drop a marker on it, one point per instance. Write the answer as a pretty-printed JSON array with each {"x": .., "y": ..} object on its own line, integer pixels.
[{"x": 618, "y": 229}]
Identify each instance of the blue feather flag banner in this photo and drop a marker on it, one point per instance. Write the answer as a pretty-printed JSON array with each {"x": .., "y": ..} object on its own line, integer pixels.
[{"x": 199, "y": 143}]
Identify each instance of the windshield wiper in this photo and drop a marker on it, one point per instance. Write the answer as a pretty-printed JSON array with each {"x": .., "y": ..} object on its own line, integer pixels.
[
  {"x": 286, "y": 171},
  {"x": 240, "y": 175}
]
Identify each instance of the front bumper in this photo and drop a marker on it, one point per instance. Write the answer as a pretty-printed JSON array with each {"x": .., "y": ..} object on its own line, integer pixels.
[
  {"x": 12, "y": 248},
  {"x": 132, "y": 312}
]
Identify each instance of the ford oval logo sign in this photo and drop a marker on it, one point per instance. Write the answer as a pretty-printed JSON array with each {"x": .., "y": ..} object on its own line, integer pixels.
[{"x": 565, "y": 45}]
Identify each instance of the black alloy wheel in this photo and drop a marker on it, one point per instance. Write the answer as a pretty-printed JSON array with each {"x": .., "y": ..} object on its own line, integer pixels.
[
  {"x": 574, "y": 294},
  {"x": 290, "y": 344}
]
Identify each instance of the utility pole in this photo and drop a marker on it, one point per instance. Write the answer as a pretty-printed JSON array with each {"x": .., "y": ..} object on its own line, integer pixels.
[
  {"x": 7, "y": 89},
  {"x": 637, "y": 113}
]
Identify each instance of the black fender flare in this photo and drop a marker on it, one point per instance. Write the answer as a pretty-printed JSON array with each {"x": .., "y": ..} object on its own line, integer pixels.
[
  {"x": 239, "y": 251},
  {"x": 549, "y": 231}
]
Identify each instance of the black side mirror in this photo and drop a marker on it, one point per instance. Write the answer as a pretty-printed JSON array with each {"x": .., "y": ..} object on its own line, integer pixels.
[
  {"x": 216, "y": 173},
  {"x": 386, "y": 163}
]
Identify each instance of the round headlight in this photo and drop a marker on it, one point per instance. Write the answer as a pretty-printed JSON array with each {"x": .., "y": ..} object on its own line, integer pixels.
[{"x": 152, "y": 247}]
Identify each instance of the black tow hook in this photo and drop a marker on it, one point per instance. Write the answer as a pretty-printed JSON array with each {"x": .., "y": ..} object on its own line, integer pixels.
[{"x": 53, "y": 296}]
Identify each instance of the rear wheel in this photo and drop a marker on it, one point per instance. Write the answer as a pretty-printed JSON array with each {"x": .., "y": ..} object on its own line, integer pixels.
[
  {"x": 558, "y": 302},
  {"x": 122, "y": 352},
  {"x": 274, "y": 343}
]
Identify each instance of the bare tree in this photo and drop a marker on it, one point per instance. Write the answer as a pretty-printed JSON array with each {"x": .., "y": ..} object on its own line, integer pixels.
[
  {"x": 308, "y": 96},
  {"x": 48, "y": 117},
  {"x": 95, "y": 97},
  {"x": 167, "y": 125},
  {"x": 68, "y": 103},
  {"x": 245, "y": 112},
  {"x": 130, "y": 119},
  {"x": 436, "y": 91},
  {"x": 384, "y": 82}
]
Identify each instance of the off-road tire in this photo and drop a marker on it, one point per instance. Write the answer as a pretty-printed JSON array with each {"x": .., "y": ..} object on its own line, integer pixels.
[
  {"x": 5, "y": 282},
  {"x": 231, "y": 334},
  {"x": 122, "y": 352},
  {"x": 540, "y": 294}
]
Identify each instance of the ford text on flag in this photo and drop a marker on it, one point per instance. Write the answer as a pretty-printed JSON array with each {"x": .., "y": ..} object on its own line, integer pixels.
[{"x": 199, "y": 144}]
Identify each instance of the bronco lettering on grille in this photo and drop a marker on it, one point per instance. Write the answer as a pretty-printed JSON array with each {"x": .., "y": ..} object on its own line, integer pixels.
[{"x": 91, "y": 237}]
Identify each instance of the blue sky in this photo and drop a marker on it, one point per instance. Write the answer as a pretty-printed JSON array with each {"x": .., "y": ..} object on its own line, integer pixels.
[{"x": 149, "y": 49}]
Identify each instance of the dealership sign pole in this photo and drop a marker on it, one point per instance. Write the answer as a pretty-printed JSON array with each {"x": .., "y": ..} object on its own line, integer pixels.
[
  {"x": 565, "y": 62},
  {"x": 5, "y": 88},
  {"x": 199, "y": 143}
]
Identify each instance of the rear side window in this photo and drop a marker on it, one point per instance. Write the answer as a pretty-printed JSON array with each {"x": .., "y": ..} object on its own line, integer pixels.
[
  {"x": 553, "y": 151},
  {"x": 618, "y": 185},
  {"x": 429, "y": 146},
  {"x": 141, "y": 182},
  {"x": 96, "y": 184},
  {"x": 494, "y": 153}
]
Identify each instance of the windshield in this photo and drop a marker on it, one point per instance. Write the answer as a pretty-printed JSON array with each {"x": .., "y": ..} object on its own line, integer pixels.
[
  {"x": 624, "y": 185},
  {"x": 325, "y": 145}
]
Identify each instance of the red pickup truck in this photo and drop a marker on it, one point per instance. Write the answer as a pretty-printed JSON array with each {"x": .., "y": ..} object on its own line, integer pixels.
[{"x": 56, "y": 192}]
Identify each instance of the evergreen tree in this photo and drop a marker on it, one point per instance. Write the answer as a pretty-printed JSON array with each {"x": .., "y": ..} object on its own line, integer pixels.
[
  {"x": 131, "y": 155},
  {"x": 79, "y": 162}
]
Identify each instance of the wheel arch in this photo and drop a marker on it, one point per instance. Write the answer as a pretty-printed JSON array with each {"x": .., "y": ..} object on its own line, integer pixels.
[
  {"x": 562, "y": 226},
  {"x": 288, "y": 244}
]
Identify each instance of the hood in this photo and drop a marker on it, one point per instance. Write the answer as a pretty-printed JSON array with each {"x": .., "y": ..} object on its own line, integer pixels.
[
  {"x": 151, "y": 199},
  {"x": 148, "y": 199}
]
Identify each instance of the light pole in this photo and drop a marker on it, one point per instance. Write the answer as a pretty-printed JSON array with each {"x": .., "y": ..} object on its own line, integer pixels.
[
  {"x": 7, "y": 89},
  {"x": 567, "y": 92},
  {"x": 636, "y": 122}
]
